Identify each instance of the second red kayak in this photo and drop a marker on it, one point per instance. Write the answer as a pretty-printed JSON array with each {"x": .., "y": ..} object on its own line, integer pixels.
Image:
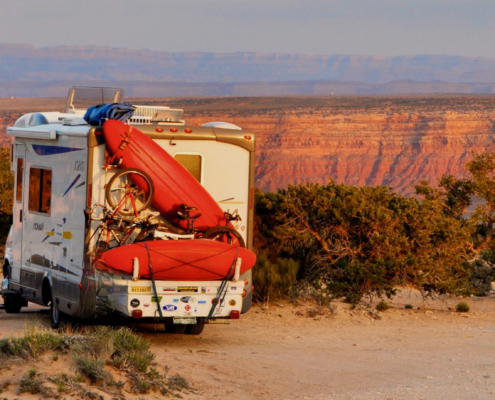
[{"x": 182, "y": 260}]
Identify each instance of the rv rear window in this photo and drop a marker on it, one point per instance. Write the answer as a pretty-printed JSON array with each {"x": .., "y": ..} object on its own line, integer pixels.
[
  {"x": 191, "y": 162},
  {"x": 18, "y": 189},
  {"x": 40, "y": 190}
]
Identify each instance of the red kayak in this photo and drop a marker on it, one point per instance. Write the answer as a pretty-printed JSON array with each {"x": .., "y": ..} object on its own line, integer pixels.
[
  {"x": 174, "y": 185},
  {"x": 182, "y": 260}
]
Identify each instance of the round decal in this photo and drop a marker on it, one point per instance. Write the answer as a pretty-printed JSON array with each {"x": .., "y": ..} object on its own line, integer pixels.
[
  {"x": 135, "y": 303},
  {"x": 188, "y": 307}
]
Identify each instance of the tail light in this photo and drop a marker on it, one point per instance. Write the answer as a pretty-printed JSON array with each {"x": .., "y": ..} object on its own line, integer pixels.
[
  {"x": 214, "y": 301},
  {"x": 245, "y": 282},
  {"x": 137, "y": 314},
  {"x": 244, "y": 293},
  {"x": 252, "y": 288},
  {"x": 234, "y": 314}
]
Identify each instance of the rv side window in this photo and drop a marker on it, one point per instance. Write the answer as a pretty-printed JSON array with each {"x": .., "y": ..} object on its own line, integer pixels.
[
  {"x": 191, "y": 162},
  {"x": 40, "y": 190},
  {"x": 18, "y": 189}
]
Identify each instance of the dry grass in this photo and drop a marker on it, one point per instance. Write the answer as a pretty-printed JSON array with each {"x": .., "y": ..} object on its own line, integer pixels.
[{"x": 97, "y": 353}]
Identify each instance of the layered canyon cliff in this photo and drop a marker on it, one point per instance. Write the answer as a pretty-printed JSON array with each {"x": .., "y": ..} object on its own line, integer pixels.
[{"x": 358, "y": 140}]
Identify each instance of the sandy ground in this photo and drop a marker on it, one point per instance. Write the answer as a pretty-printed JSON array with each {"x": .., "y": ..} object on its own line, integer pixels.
[{"x": 282, "y": 353}]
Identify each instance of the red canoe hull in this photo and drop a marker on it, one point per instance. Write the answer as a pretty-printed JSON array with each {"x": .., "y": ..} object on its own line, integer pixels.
[
  {"x": 183, "y": 260},
  {"x": 174, "y": 185}
]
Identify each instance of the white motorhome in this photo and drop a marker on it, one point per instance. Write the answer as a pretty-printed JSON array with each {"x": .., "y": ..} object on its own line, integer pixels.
[{"x": 58, "y": 161}]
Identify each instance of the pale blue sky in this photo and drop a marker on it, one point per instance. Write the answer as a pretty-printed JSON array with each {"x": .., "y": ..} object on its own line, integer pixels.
[{"x": 376, "y": 27}]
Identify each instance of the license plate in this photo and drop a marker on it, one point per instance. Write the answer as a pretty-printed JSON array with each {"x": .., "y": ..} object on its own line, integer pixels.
[
  {"x": 187, "y": 289},
  {"x": 140, "y": 289},
  {"x": 187, "y": 321}
]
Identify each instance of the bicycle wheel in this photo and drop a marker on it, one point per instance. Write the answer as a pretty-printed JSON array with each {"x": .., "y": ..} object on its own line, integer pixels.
[
  {"x": 130, "y": 191},
  {"x": 225, "y": 234}
]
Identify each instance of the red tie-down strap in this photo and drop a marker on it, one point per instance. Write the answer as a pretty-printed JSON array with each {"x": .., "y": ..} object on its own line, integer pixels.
[{"x": 126, "y": 139}]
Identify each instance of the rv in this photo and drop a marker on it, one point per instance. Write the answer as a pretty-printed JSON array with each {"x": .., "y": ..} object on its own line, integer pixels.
[{"x": 59, "y": 162}]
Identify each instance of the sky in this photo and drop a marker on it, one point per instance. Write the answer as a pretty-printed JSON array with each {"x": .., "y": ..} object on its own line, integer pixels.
[{"x": 313, "y": 27}]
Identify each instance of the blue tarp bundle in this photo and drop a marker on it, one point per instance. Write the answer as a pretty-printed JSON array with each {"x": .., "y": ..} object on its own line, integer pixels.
[{"x": 98, "y": 114}]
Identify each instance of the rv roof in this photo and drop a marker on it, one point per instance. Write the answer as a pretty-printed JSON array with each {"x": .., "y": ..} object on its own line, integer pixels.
[{"x": 48, "y": 131}]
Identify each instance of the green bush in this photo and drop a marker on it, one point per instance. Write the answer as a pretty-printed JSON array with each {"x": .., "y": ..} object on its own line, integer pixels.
[
  {"x": 408, "y": 307},
  {"x": 93, "y": 369},
  {"x": 362, "y": 240},
  {"x": 33, "y": 344},
  {"x": 273, "y": 280},
  {"x": 462, "y": 307},
  {"x": 131, "y": 350},
  {"x": 482, "y": 272},
  {"x": 382, "y": 306}
]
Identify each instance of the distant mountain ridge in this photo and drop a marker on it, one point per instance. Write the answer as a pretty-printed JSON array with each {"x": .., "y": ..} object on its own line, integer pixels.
[
  {"x": 28, "y": 63},
  {"x": 211, "y": 89},
  {"x": 45, "y": 72}
]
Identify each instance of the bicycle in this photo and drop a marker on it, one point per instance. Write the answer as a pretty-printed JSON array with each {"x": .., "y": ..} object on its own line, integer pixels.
[
  {"x": 221, "y": 233},
  {"x": 126, "y": 186},
  {"x": 118, "y": 228}
]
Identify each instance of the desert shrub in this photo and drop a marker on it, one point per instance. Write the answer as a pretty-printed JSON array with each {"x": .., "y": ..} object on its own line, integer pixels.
[
  {"x": 96, "y": 344},
  {"x": 482, "y": 272},
  {"x": 364, "y": 241},
  {"x": 462, "y": 307},
  {"x": 6, "y": 181},
  {"x": 408, "y": 307},
  {"x": 92, "y": 349},
  {"x": 93, "y": 369},
  {"x": 120, "y": 347},
  {"x": 131, "y": 350},
  {"x": 64, "y": 382},
  {"x": 33, "y": 344},
  {"x": 382, "y": 306},
  {"x": 177, "y": 382},
  {"x": 274, "y": 280},
  {"x": 30, "y": 383}
]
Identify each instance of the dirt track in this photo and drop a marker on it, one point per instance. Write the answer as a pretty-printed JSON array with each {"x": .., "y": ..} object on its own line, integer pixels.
[{"x": 277, "y": 354}]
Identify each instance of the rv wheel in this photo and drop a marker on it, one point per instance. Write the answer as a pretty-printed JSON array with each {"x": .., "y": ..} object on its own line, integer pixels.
[
  {"x": 13, "y": 304},
  {"x": 56, "y": 315},
  {"x": 196, "y": 329}
]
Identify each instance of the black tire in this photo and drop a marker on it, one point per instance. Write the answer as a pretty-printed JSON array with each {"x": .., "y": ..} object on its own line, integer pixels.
[
  {"x": 116, "y": 187},
  {"x": 196, "y": 329},
  {"x": 55, "y": 314},
  {"x": 13, "y": 304},
  {"x": 177, "y": 329},
  {"x": 225, "y": 234}
]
